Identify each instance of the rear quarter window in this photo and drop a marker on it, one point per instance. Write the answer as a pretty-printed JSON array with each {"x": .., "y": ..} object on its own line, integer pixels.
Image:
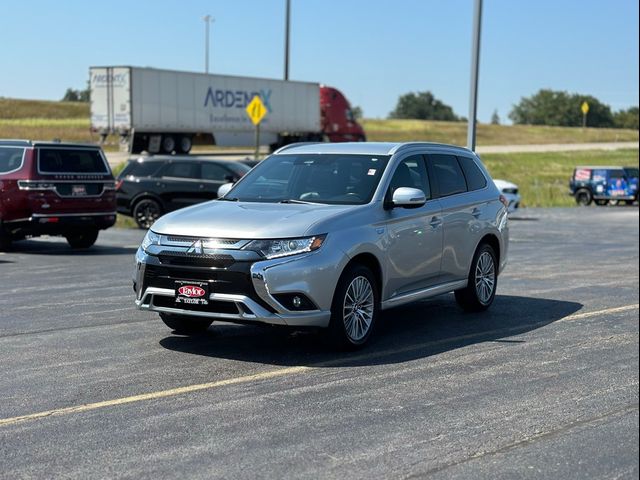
[
  {"x": 475, "y": 178},
  {"x": 10, "y": 159},
  {"x": 71, "y": 160}
]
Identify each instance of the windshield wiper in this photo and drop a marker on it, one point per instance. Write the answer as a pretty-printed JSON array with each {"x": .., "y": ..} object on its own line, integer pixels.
[
  {"x": 228, "y": 199},
  {"x": 293, "y": 200}
]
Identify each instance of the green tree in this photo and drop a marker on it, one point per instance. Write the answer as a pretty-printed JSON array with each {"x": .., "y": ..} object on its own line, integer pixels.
[
  {"x": 495, "y": 118},
  {"x": 422, "y": 106},
  {"x": 357, "y": 112},
  {"x": 72, "y": 95},
  {"x": 550, "y": 107},
  {"x": 626, "y": 118}
]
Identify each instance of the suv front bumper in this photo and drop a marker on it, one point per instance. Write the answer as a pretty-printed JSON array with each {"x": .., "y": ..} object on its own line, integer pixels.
[{"x": 245, "y": 292}]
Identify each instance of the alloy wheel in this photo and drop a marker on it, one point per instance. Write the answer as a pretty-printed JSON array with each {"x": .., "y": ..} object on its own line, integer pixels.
[
  {"x": 485, "y": 277},
  {"x": 358, "y": 308}
]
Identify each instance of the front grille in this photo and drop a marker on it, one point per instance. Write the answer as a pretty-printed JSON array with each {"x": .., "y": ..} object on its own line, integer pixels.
[
  {"x": 219, "y": 241},
  {"x": 193, "y": 260},
  {"x": 213, "y": 307}
]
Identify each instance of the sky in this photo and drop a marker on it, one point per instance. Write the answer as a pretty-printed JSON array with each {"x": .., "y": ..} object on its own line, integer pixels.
[{"x": 373, "y": 51}]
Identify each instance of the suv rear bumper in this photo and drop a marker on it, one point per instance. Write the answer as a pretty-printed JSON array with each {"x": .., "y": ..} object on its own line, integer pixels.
[{"x": 57, "y": 224}]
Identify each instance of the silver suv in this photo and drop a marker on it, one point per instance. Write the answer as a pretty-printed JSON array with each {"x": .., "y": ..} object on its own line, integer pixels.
[{"x": 328, "y": 235}]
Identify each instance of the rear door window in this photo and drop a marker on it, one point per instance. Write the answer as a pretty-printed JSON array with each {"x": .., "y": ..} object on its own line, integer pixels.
[
  {"x": 181, "y": 170},
  {"x": 474, "y": 176},
  {"x": 71, "y": 160},
  {"x": 449, "y": 176},
  {"x": 10, "y": 159},
  {"x": 140, "y": 169}
]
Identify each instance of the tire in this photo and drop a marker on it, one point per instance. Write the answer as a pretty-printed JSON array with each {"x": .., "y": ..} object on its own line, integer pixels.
[
  {"x": 355, "y": 308},
  {"x": 83, "y": 239},
  {"x": 602, "y": 203},
  {"x": 480, "y": 291},
  {"x": 168, "y": 144},
  {"x": 584, "y": 197},
  {"x": 185, "y": 325},
  {"x": 146, "y": 212},
  {"x": 5, "y": 242},
  {"x": 185, "y": 144}
]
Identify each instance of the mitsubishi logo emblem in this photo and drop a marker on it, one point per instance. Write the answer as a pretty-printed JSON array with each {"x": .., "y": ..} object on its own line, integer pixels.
[{"x": 196, "y": 248}]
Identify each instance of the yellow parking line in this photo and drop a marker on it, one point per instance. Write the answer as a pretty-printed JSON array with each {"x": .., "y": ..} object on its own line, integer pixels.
[{"x": 281, "y": 372}]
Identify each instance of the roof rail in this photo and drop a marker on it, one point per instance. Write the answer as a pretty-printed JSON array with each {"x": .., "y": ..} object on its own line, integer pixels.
[
  {"x": 292, "y": 145},
  {"x": 15, "y": 143}
]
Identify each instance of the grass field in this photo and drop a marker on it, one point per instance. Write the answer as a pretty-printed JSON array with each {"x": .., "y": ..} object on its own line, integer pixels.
[
  {"x": 456, "y": 133},
  {"x": 69, "y": 121}
]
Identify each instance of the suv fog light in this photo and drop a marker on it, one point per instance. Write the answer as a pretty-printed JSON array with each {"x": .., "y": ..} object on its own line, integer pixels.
[{"x": 295, "y": 301}]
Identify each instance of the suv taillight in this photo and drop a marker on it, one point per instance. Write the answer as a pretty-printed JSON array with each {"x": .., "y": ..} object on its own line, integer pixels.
[
  {"x": 119, "y": 184},
  {"x": 504, "y": 200}
]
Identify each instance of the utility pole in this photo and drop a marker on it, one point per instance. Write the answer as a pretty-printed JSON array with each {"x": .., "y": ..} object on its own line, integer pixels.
[
  {"x": 286, "y": 39},
  {"x": 475, "y": 66},
  {"x": 208, "y": 20}
]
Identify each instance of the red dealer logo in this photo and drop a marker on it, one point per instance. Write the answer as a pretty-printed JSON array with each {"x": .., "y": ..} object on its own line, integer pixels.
[{"x": 191, "y": 291}]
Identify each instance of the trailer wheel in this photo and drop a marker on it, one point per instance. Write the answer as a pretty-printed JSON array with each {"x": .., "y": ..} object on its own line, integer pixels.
[
  {"x": 185, "y": 144},
  {"x": 168, "y": 144}
]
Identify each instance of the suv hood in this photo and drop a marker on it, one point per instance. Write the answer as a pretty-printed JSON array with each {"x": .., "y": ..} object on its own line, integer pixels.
[{"x": 246, "y": 220}]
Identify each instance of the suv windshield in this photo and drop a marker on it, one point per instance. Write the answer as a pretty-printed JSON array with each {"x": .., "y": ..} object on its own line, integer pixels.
[
  {"x": 71, "y": 160},
  {"x": 340, "y": 179}
]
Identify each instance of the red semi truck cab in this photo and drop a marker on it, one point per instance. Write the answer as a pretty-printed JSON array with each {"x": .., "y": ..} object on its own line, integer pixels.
[{"x": 337, "y": 120}]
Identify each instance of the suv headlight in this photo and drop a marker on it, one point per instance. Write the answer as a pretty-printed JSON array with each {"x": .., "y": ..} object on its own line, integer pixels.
[
  {"x": 285, "y": 247},
  {"x": 151, "y": 238}
]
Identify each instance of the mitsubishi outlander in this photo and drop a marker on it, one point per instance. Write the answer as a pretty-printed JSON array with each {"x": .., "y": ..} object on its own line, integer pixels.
[{"x": 328, "y": 235}]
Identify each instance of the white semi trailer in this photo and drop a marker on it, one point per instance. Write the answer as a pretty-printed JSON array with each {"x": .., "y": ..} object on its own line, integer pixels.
[{"x": 165, "y": 111}]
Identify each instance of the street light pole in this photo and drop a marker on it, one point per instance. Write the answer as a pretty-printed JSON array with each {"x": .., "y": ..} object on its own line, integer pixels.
[
  {"x": 286, "y": 39},
  {"x": 208, "y": 20},
  {"x": 475, "y": 66}
]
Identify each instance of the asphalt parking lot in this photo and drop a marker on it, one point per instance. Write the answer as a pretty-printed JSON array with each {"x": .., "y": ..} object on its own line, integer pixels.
[{"x": 543, "y": 385}]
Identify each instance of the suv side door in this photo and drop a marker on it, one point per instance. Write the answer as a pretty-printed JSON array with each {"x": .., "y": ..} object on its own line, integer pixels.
[
  {"x": 414, "y": 235},
  {"x": 178, "y": 184},
  {"x": 462, "y": 212}
]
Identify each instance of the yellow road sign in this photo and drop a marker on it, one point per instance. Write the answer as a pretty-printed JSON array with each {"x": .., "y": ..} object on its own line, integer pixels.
[
  {"x": 256, "y": 110},
  {"x": 585, "y": 107}
]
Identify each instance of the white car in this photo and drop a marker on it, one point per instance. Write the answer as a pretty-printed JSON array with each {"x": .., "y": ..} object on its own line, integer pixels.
[{"x": 510, "y": 192}]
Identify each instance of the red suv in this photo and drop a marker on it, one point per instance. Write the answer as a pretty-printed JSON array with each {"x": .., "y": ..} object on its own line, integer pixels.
[{"x": 54, "y": 189}]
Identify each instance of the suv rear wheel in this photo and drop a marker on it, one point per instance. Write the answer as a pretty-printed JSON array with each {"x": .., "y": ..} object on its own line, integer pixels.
[
  {"x": 146, "y": 212},
  {"x": 5, "y": 242},
  {"x": 83, "y": 239},
  {"x": 355, "y": 308},
  {"x": 584, "y": 197},
  {"x": 185, "y": 325},
  {"x": 482, "y": 282}
]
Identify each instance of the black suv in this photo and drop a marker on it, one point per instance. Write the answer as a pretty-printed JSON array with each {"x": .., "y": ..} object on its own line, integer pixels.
[{"x": 149, "y": 187}]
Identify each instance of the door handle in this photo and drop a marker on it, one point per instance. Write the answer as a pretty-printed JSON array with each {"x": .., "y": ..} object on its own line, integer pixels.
[
  {"x": 435, "y": 222},
  {"x": 201, "y": 186},
  {"x": 476, "y": 212}
]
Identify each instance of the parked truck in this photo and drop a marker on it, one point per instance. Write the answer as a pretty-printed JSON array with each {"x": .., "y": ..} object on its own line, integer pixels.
[{"x": 166, "y": 111}]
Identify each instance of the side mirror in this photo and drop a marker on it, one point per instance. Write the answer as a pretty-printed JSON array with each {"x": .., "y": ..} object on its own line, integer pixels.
[
  {"x": 408, "y": 197},
  {"x": 224, "y": 189}
]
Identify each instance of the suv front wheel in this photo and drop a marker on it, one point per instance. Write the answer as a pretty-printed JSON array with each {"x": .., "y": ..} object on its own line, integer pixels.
[
  {"x": 355, "y": 308},
  {"x": 584, "y": 197},
  {"x": 185, "y": 325}
]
